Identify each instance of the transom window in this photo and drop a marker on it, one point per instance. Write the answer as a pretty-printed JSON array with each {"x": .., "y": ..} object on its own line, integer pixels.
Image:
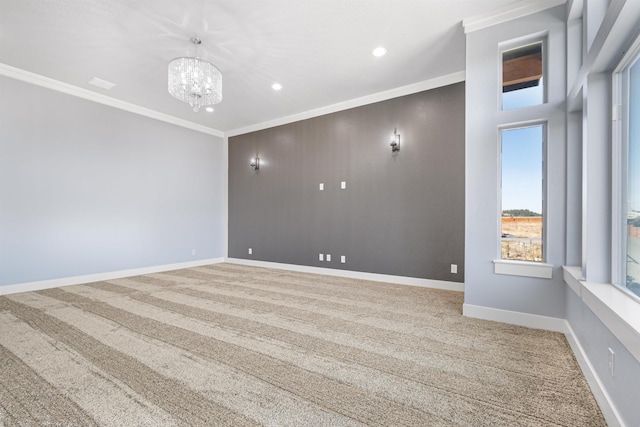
[{"x": 523, "y": 76}]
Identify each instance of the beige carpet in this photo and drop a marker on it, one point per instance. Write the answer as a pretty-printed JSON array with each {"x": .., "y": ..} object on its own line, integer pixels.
[{"x": 241, "y": 346}]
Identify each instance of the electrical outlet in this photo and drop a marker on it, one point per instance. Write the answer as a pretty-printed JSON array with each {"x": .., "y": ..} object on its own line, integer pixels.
[
  {"x": 250, "y": 251},
  {"x": 454, "y": 268},
  {"x": 321, "y": 186},
  {"x": 320, "y": 257},
  {"x": 343, "y": 185},
  {"x": 328, "y": 257},
  {"x": 193, "y": 251},
  {"x": 612, "y": 360},
  {"x": 343, "y": 259}
]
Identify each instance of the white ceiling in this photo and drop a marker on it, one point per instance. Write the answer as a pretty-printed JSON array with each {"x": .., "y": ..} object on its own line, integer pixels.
[{"x": 319, "y": 50}]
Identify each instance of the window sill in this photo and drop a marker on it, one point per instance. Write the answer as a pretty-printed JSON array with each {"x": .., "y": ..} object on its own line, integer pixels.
[
  {"x": 523, "y": 268},
  {"x": 618, "y": 311}
]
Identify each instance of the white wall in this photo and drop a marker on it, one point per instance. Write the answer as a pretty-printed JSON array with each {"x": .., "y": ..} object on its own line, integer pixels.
[
  {"x": 86, "y": 188},
  {"x": 483, "y": 288}
]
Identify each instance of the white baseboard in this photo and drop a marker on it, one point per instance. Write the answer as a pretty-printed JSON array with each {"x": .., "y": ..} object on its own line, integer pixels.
[
  {"x": 611, "y": 415},
  {"x": 400, "y": 280},
  {"x": 89, "y": 278},
  {"x": 514, "y": 318}
]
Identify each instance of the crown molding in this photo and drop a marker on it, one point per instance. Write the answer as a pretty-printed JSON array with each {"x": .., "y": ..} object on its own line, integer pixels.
[
  {"x": 356, "y": 102},
  {"x": 49, "y": 83},
  {"x": 507, "y": 13}
]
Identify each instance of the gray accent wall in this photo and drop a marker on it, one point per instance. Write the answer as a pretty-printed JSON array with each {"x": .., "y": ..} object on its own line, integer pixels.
[
  {"x": 86, "y": 188},
  {"x": 400, "y": 214}
]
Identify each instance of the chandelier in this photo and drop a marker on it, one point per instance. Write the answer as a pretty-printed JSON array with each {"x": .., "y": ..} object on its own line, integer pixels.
[{"x": 195, "y": 81}]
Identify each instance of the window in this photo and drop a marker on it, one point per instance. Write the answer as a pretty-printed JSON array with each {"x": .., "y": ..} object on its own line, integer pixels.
[
  {"x": 522, "y": 195},
  {"x": 523, "y": 76},
  {"x": 522, "y": 159},
  {"x": 631, "y": 176}
]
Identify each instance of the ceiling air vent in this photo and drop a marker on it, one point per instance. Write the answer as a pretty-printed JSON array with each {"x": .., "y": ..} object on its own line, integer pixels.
[{"x": 101, "y": 83}]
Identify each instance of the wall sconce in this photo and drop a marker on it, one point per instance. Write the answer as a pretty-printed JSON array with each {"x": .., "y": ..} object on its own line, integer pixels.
[
  {"x": 395, "y": 141},
  {"x": 255, "y": 163}
]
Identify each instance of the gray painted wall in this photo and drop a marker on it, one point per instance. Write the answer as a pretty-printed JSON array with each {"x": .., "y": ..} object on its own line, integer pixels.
[
  {"x": 591, "y": 172},
  {"x": 86, "y": 188},
  {"x": 483, "y": 287},
  {"x": 401, "y": 214},
  {"x": 595, "y": 338}
]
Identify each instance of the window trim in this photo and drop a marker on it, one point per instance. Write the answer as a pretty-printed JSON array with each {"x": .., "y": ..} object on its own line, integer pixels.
[
  {"x": 501, "y": 266},
  {"x": 540, "y": 270}
]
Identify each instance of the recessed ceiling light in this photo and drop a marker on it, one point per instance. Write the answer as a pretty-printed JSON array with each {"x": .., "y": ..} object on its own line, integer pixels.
[
  {"x": 379, "y": 51},
  {"x": 209, "y": 109},
  {"x": 276, "y": 86},
  {"x": 101, "y": 83}
]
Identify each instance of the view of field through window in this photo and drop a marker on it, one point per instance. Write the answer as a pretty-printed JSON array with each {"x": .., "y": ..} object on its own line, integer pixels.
[
  {"x": 522, "y": 183},
  {"x": 633, "y": 183}
]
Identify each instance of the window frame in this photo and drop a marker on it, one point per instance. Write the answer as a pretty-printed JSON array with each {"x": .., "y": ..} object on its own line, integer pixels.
[
  {"x": 521, "y": 43},
  {"x": 620, "y": 147},
  {"x": 539, "y": 269}
]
